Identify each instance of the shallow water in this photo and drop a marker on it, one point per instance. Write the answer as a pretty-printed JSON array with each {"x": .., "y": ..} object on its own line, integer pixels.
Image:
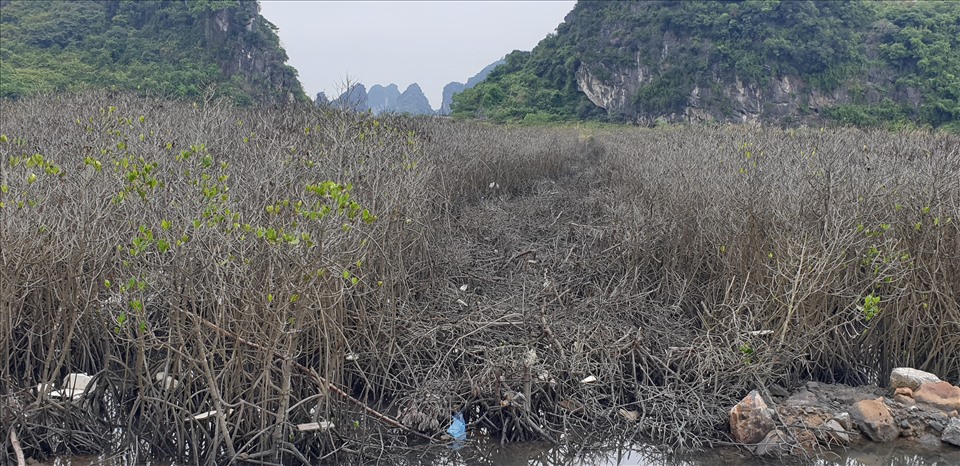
[
  {"x": 484, "y": 452},
  {"x": 533, "y": 453}
]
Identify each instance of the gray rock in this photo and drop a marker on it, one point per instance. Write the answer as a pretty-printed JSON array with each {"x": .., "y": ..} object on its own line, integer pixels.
[
  {"x": 774, "y": 444},
  {"x": 929, "y": 441},
  {"x": 910, "y": 378},
  {"x": 837, "y": 432},
  {"x": 951, "y": 434},
  {"x": 844, "y": 420},
  {"x": 802, "y": 397},
  {"x": 935, "y": 425}
]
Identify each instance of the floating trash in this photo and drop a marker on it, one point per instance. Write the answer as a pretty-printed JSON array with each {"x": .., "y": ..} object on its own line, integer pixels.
[
  {"x": 589, "y": 379},
  {"x": 458, "y": 428}
]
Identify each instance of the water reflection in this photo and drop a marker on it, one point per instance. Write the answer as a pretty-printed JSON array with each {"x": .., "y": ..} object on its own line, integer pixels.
[{"x": 485, "y": 452}]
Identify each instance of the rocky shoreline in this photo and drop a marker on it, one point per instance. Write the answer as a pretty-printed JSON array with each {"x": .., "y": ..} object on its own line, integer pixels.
[{"x": 917, "y": 406}]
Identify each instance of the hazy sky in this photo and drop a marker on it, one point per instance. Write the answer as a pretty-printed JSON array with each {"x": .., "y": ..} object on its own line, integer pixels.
[{"x": 430, "y": 43}]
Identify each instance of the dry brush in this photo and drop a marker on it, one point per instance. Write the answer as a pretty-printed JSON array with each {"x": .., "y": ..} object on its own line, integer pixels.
[{"x": 227, "y": 275}]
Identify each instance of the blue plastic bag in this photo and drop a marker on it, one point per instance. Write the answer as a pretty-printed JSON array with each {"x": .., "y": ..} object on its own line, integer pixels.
[{"x": 458, "y": 428}]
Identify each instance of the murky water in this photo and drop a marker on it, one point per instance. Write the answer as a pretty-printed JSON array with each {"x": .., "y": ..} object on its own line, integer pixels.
[
  {"x": 531, "y": 453},
  {"x": 484, "y": 452}
]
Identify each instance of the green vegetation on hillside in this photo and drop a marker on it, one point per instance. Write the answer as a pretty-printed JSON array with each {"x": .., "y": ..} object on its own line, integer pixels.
[
  {"x": 173, "y": 49},
  {"x": 855, "y": 44},
  {"x": 537, "y": 86}
]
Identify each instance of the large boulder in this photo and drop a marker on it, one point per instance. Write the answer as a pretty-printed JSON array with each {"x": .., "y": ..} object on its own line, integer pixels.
[
  {"x": 952, "y": 433},
  {"x": 910, "y": 378},
  {"x": 751, "y": 420},
  {"x": 873, "y": 418},
  {"x": 940, "y": 395}
]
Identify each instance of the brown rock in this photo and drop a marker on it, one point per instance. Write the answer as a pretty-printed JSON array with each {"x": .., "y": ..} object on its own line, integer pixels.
[
  {"x": 904, "y": 400},
  {"x": 910, "y": 378},
  {"x": 940, "y": 395},
  {"x": 905, "y": 391},
  {"x": 750, "y": 419},
  {"x": 873, "y": 418}
]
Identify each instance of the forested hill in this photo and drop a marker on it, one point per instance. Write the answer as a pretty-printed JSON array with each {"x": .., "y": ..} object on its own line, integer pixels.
[
  {"x": 171, "y": 48},
  {"x": 858, "y": 62}
]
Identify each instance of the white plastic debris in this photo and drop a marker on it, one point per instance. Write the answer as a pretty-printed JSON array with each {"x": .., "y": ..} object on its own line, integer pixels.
[
  {"x": 315, "y": 426},
  {"x": 202, "y": 416},
  {"x": 589, "y": 379},
  {"x": 168, "y": 382},
  {"x": 44, "y": 388},
  {"x": 74, "y": 386},
  {"x": 462, "y": 302},
  {"x": 352, "y": 356},
  {"x": 463, "y": 287}
]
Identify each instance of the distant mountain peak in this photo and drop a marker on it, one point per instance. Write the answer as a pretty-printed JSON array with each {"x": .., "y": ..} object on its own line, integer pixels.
[{"x": 385, "y": 99}]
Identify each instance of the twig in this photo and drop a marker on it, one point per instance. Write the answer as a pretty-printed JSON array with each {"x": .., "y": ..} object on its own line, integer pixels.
[{"x": 17, "y": 450}]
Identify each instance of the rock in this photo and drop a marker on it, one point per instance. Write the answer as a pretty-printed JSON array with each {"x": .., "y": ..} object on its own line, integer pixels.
[
  {"x": 940, "y": 395},
  {"x": 905, "y": 391},
  {"x": 844, "y": 420},
  {"x": 910, "y": 378},
  {"x": 778, "y": 391},
  {"x": 904, "y": 400},
  {"x": 951, "y": 434},
  {"x": 836, "y": 432},
  {"x": 935, "y": 425},
  {"x": 873, "y": 418},
  {"x": 802, "y": 397},
  {"x": 750, "y": 419},
  {"x": 954, "y": 413},
  {"x": 774, "y": 444},
  {"x": 929, "y": 441}
]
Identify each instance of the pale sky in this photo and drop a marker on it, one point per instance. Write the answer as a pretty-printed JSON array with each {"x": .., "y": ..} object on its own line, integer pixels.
[{"x": 430, "y": 43}]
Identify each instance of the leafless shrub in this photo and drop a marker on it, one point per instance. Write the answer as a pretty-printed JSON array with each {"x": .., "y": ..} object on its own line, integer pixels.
[{"x": 544, "y": 281}]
